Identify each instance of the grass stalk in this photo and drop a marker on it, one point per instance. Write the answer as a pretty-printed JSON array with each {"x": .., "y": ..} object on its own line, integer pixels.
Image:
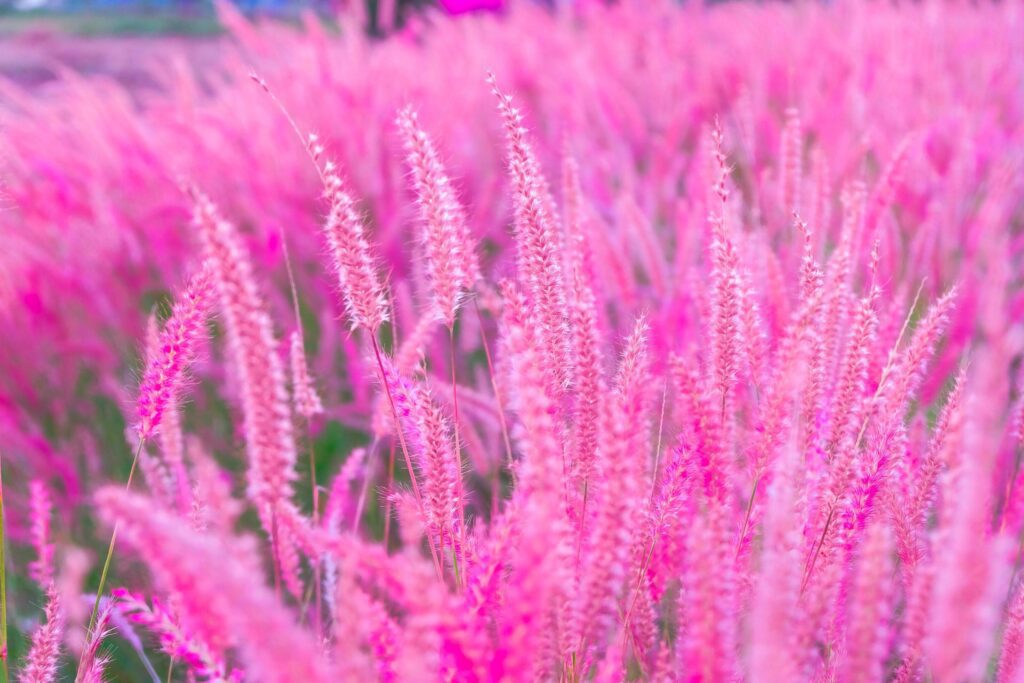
[
  {"x": 110, "y": 554},
  {"x": 4, "y": 667}
]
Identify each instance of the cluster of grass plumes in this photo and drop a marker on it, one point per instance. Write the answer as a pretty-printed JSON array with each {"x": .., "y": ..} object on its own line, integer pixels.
[{"x": 627, "y": 342}]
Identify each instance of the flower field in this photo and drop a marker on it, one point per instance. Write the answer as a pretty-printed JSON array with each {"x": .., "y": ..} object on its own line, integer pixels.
[{"x": 626, "y": 341}]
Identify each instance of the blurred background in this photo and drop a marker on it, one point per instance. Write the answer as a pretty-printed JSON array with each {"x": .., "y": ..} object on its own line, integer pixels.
[
  {"x": 109, "y": 37},
  {"x": 198, "y": 17}
]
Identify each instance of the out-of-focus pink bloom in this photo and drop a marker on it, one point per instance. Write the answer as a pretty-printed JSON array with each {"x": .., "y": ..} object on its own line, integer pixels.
[
  {"x": 463, "y": 6},
  {"x": 41, "y": 568},
  {"x": 307, "y": 401},
  {"x": 266, "y": 416},
  {"x": 223, "y": 606},
  {"x": 173, "y": 639}
]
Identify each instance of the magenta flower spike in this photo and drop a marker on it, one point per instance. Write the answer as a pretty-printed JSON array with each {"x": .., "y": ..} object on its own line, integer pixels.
[
  {"x": 451, "y": 261},
  {"x": 41, "y": 568},
  {"x": 623, "y": 439},
  {"x": 269, "y": 639},
  {"x": 359, "y": 281},
  {"x": 174, "y": 350},
  {"x": 537, "y": 242},
  {"x": 306, "y": 399},
  {"x": 267, "y": 424},
  {"x": 43, "y": 659},
  {"x": 429, "y": 436}
]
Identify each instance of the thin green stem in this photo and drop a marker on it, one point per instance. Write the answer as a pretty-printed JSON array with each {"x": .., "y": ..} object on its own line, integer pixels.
[
  {"x": 455, "y": 567},
  {"x": 387, "y": 497},
  {"x": 501, "y": 412},
  {"x": 3, "y": 583},
  {"x": 746, "y": 516},
  {"x": 817, "y": 550},
  {"x": 318, "y": 623},
  {"x": 361, "y": 503},
  {"x": 458, "y": 454},
  {"x": 110, "y": 554}
]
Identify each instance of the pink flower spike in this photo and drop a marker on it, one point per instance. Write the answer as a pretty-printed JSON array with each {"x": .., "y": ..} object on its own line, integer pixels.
[
  {"x": 267, "y": 422},
  {"x": 790, "y": 163},
  {"x": 622, "y": 447},
  {"x": 361, "y": 288},
  {"x": 339, "y": 502},
  {"x": 972, "y": 569},
  {"x": 175, "y": 641},
  {"x": 587, "y": 378},
  {"x": 44, "y": 653},
  {"x": 776, "y": 613},
  {"x": 226, "y": 605},
  {"x": 92, "y": 665},
  {"x": 167, "y": 474},
  {"x": 539, "y": 569},
  {"x": 868, "y": 632},
  {"x": 176, "y": 347},
  {"x": 726, "y": 285},
  {"x": 913, "y": 360},
  {"x": 41, "y": 513},
  {"x": 430, "y": 439},
  {"x": 451, "y": 261},
  {"x": 848, "y": 400},
  {"x": 307, "y": 401},
  {"x": 1011, "y": 658},
  {"x": 538, "y": 245}
]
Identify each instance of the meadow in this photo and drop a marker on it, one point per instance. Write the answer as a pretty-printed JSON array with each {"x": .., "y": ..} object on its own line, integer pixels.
[{"x": 625, "y": 341}]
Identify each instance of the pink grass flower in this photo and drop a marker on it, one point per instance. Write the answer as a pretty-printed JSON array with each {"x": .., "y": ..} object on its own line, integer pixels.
[
  {"x": 41, "y": 665},
  {"x": 791, "y": 163},
  {"x": 971, "y": 571},
  {"x": 41, "y": 506},
  {"x": 307, "y": 400},
  {"x": 725, "y": 283},
  {"x": 539, "y": 579},
  {"x": 429, "y": 435},
  {"x": 267, "y": 424},
  {"x": 623, "y": 441},
  {"x": 1012, "y": 652},
  {"x": 868, "y": 632},
  {"x": 225, "y": 605},
  {"x": 537, "y": 242},
  {"x": 828, "y": 490},
  {"x": 174, "y": 641},
  {"x": 449, "y": 248},
  {"x": 176, "y": 348},
  {"x": 776, "y": 616},
  {"x": 93, "y": 664},
  {"x": 362, "y": 291}
]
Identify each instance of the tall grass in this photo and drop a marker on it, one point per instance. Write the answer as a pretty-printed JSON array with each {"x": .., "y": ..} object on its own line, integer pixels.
[{"x": 632, "y": 341}]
